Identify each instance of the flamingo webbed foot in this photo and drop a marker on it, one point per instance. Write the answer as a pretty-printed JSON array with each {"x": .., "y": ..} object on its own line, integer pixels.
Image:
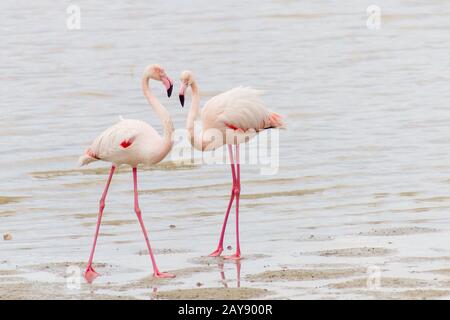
[
  {"x": 216, "y": 253},
  {"x": 90, "y": 274},
  {"x": 236, "y": 256},
  {"x": 163, "y": 275}
]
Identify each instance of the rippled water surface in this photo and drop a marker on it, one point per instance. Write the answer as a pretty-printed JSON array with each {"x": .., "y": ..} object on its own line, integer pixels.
[{"x": 364, "y": 171}]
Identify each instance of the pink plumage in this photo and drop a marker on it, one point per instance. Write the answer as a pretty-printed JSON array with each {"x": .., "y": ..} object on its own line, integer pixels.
[
  {"x": 132, "y": 142},
  {"x": 239, "y": 110},
  {"x": 129, "y": 141}
]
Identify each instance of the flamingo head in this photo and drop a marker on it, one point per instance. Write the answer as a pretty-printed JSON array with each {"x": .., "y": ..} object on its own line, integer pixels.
[
  {"x": 156, "y": 72},
  {"x": 187, "y": 78}
]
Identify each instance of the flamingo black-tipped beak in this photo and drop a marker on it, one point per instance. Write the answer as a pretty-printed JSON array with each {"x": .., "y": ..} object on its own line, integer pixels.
[
  {"x": 181, "y": 96},
  {"x": 168, "y": 84}
]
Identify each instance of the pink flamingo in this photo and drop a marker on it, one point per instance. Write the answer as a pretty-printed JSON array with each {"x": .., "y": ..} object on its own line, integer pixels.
[
  {"x": 133, "y": 142},
  {"x": 232, "y": 117}
]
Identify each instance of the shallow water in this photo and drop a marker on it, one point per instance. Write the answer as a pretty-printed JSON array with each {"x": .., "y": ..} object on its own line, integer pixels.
[{"x": 363, "y": 164}]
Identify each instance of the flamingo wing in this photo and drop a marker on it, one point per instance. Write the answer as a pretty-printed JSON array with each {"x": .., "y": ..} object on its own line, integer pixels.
[
  {"x": 240, "y": 108},
  {"x": 113, "y": 141}
]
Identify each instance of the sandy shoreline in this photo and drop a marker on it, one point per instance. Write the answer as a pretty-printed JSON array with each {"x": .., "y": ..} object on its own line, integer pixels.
[{"x": 326, "y": 281}]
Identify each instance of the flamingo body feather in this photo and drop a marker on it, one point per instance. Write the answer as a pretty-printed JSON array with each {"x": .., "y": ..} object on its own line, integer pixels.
[
  {"x": 129, "y": 142},
  {"x": 240, "y": 108}
]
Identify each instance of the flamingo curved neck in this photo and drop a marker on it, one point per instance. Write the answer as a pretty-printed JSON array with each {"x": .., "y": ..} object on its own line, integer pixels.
[
  {"x": 163, "y": 116},
  {"x": 196, "y": 139}
]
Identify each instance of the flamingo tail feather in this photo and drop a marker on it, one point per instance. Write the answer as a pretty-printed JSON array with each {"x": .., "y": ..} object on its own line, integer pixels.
[
  {"x": 276, "y": 121},
  {"x": 85, "y": 159}
]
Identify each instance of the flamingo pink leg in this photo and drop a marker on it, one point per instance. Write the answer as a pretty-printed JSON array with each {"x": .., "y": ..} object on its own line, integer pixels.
[
  {"x": 90, "y": 274},
  {"x": 237, "y": 193},
  {"x": 219, "y": 249},
  {"x": 156, "y": 272}
]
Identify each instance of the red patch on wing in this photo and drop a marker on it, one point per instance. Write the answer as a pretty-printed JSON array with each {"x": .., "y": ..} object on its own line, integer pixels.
[
  {"x": 231, "y": 126},
  {"x": 126, "y": 143}
]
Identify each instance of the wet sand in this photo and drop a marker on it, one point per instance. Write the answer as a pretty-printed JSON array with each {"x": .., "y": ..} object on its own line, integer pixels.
[
  {"x": 213, "y": 294},
  {"x": 333, "y": 274},
  {"x": 304, "y": 274}
]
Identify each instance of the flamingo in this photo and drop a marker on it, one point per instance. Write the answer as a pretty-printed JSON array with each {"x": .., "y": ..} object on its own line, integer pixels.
[
  {"x": 231, "y": 118},
  {"x": 133, "y": 142}
]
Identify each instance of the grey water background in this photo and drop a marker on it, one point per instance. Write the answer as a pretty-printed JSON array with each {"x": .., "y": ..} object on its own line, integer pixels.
[{"x": 366, "y": 146}]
